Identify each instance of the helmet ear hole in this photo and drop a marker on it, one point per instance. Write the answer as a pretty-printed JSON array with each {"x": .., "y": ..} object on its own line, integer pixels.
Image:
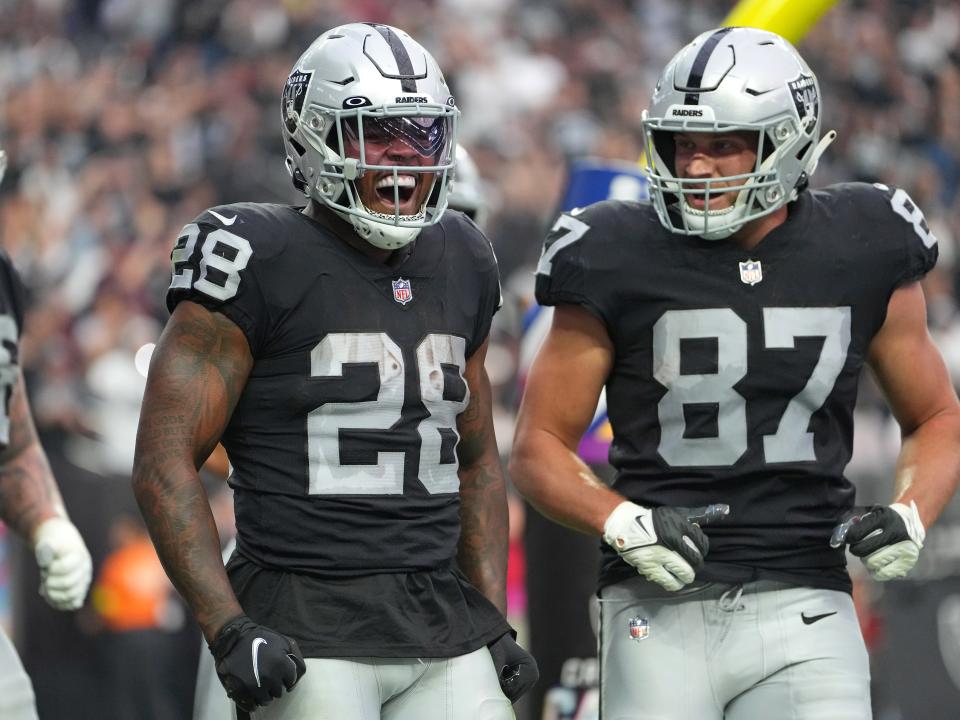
[
  {"x": 300, "y": 149},
  {"x": 299, "y": 182}
]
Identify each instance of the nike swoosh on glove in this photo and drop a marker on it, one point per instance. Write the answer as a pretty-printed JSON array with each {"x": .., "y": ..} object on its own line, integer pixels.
[
  {"x": 888, "y": 539},
  {"x": 516, "y": 668},
  {"x": 64, "y": 562},
  {"x": 254, "y": 663},
  {"x": 660, "y": 543}
]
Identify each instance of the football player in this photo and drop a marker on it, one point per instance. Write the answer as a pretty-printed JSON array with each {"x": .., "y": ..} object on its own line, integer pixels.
[
  {"x": 467, "y": 192},
  {"x": 466, "y": 195},
  {"x": 336, "y": 350},
  {"x": 729, "y": 321},
  {"x": 30, "y": 502}
]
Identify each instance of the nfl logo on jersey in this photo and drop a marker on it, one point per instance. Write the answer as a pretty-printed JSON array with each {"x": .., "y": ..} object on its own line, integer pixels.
[
  {"x": 750, "y": 272},
  {"x": 402, "y": 292},
  {"x": 639, "y": 628}
]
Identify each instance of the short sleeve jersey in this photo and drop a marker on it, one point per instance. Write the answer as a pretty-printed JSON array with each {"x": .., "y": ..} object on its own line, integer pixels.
[
  {"x": 343, "y": 440},
  {"x": 11, "y": 321},
  {"x": 735, "y": 372}
]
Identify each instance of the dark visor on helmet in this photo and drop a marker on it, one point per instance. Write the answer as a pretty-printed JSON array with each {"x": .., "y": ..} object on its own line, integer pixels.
[{"x": 426, "y": 135}]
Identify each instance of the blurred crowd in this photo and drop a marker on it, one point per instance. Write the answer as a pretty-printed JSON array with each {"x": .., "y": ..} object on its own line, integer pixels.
[{"x": 123, "y": 119}]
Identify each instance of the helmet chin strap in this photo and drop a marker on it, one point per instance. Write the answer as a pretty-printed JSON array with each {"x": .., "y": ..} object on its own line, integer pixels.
[
  {"x": 384, "y": 234},
  {"x": 699, "y": 220},
  {"x": 819, "y": 150}
]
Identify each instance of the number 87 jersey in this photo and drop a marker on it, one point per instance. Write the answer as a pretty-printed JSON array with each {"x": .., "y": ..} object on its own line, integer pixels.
[
  {"x": 735, "y": 371},
  {"x": 343, "y": 439}
]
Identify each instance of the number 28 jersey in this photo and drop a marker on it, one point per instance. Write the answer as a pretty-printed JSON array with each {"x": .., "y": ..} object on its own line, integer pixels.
[
  {"x": 735, "y": 371},
  {"x": 343, "y": 439}
]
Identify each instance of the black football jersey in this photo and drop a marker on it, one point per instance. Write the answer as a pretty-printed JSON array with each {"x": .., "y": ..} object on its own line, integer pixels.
[
  {"x": 735, "y": 371},
  {"x": 11, "y": 321},
  {"x": 343, "y": 441}
]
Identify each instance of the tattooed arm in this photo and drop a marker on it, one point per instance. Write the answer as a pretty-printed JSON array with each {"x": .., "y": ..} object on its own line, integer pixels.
[
  {"x": 482, "y": 554},
  {"x": 28, "y": 492},
  {"x": 31, "y": 505},
  {"x": 198, "y": 370}
]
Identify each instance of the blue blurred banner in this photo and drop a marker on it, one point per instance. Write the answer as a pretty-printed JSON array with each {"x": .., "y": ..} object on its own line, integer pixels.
[
  {"x": 588, "y": 181},
  {"x": 592, "y": 180}
]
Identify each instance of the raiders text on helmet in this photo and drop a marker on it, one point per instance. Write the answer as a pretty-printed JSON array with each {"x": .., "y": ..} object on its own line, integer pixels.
[
  {"x": 357, "y": 85},
  {"x": 728, "y": 80}
]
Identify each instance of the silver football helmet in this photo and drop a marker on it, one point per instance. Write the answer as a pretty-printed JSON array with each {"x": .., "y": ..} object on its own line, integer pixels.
[
  {"x": 366, "y": 99},
  {"x": 726, "y": 80},
  {"x": 467, "y": 192}
]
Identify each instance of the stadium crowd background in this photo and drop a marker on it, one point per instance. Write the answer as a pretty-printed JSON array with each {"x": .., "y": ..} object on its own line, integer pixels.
[{"x": 123, "y": 119}]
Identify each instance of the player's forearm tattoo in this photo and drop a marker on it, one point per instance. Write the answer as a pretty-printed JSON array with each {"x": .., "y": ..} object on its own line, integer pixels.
[
  {"x": 28, "y": 491},
  {"x": 484, "y": 535},
  {"x": 196, "y": 380}
]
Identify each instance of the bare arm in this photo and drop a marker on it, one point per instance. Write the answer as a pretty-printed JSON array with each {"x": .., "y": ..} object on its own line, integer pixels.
[
  {"x": 28, "y": 491},
  {"x": 484, "y": 523},
  {"x": 197, "y": 373},
  {"x": 559, "y": 401},
  {"x": 915, "y": 380}
]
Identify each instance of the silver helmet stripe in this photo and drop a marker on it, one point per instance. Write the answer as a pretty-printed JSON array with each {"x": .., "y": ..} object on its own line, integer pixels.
[
  {"x": 700, "y": 64},
  {"x": 405, "y": 73}
]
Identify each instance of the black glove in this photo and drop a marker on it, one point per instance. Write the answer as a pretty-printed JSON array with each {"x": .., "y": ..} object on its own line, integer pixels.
[
  {"x": 255, "y": 663},
  {"x": 887, "y": 538},
  {"x": 516, "y": 668},
  {"x": 664, "y": 544}
]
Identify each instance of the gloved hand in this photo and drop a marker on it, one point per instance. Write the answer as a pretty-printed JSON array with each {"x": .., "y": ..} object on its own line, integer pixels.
[
  {"x": 255, "y": 663},
  {"x": 64, "y": 562},
  {"x": 661, "y": 543},
  {"x": 516, "y": 668},
  {"x": 888, "y": 539}
]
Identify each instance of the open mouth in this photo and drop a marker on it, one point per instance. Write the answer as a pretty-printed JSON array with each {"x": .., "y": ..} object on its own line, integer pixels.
[
  {"x": 390, "y": 189},
  {"x": 697, "y": 199}
]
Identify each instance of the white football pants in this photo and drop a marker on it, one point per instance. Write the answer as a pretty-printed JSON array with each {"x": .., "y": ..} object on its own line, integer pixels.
[
  {"x": 459, "y": 688},
  {"x": 719, "y": 652},
  {"x": 17, "y": 701}
]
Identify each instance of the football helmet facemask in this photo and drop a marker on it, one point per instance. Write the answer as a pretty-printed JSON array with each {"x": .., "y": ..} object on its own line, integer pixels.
[
  {"x": 728, "y": 80},
  {"x": 369, "y": 130}
]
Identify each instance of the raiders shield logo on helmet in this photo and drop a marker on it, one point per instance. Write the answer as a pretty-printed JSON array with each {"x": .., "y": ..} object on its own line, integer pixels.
[
  {"x": 803, "y": 90},
  {"x": 293, "y": 94}
]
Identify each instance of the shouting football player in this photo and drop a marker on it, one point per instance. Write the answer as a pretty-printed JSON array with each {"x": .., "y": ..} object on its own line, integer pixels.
[
  {"x": 729, "y": 321},
  {"x": 30, "y": 502},
  {"x": 336, "y": 350}
]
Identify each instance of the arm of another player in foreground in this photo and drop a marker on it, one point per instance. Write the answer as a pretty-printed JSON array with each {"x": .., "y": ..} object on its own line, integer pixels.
[
  {"x": 198, "y": 369},
  {"x": 915, "y": 380},
  {"x": 28, "y": 491},
  {"x": 484, "y": 533},
  {"x": 559, "y": 401},
  {"x": 30, "y": 504}
]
